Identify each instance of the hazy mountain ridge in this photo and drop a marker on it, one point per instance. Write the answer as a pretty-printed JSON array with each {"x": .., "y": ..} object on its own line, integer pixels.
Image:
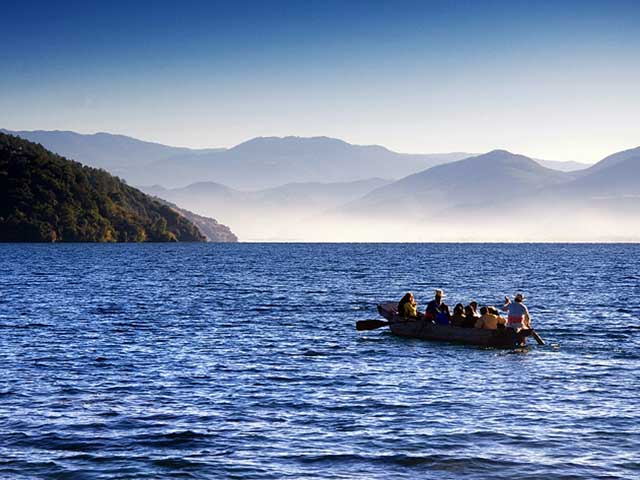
[
  {"x": 455, "y": 200},
  {"x": 269, "y": 162},
  {"x": 601, "y": 204},
  {"x": 261, "y": 162},
  {"x": 262, "y": 213},
  {"x": 117, "y": 154},
  {"x": 484, "y": 178},
  {"x": 258, "y": 163},
  {"x": 615, "y": 176},
  {"x": 614, "y": 159},
  {"x": 563, "y": 166}
]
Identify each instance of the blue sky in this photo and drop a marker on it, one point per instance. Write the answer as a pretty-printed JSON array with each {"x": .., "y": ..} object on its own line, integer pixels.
[{"x": 556, "y": 80}]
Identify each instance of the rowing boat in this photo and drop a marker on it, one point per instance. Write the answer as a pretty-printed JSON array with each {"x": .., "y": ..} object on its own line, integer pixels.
[{"x": 427, "y": 330}]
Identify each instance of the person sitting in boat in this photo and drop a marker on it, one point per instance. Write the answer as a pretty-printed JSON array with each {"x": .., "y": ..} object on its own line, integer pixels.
[
  {"x": 443, "y": 317},
  {"x": 407, "y": 307},
  {"x": 458, "y": 318},
  {"x": 517, "y": 312},
  {"x": 496, "y": 312},
  {"x": 471, "y": 315},
  {"x": 433, "y": 307},
  {"x": 489, "y": 320}
]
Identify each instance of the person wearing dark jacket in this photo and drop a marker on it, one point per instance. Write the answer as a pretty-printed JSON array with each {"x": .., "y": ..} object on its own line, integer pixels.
[
  {"x": 471, "y": 315},
  {"x": 458, "y": 317},
  {"x": 444, "y": 315},
  {"x": 433, "y": 307}
]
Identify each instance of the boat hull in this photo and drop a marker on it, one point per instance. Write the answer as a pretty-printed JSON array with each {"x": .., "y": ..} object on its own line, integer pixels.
[{"x": 427, "y": 330}]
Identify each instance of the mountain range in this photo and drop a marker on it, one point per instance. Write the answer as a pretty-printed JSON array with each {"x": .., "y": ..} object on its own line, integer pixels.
[
  {"x": 474, "y": 199},
  {"x": 500, "y": 196},
  {"x": 259, "y": 163},
  {"x": 496, "y": 196},
  {"x": 494, "y": 176}
]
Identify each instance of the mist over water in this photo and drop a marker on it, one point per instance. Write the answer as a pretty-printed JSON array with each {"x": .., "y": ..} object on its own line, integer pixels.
[
  {"x": 519, "y": 223},
  {"x": 242, "y": 360}
]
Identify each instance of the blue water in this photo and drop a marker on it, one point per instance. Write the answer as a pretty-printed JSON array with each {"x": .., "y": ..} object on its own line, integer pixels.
[{"x": 242, "y": 361}]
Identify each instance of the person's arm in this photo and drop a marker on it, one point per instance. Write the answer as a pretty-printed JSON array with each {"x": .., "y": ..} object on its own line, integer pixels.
[
  {"x": 527, "y": 318},
  {"x": 505, "y": 306}
]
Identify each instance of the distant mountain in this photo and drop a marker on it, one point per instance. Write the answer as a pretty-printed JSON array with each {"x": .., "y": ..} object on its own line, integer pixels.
[
  {"x": 197, "y": 192},
  {"x": 262, "y": 162},
  {"x": 118, "y": 154},
  {"x": 614, "y": 159},
  {"x": 614, "y": 176},
  {"x": 600, "y": 204},
  {"x": 324, "y": 189},
  {"x": 262, "y": 214},
  {"x": 320, "y": 195},
  {"x": 562, "y": 166},
  {"x": 492, "y": 177},
  {"x": 497, "y": 196},
  {"x": 47, "y": 198},
  {"x": 267, "y": 162}
]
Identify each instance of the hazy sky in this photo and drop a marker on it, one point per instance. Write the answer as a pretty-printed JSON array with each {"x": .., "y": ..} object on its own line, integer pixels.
[{"x": 557, "y": 80}]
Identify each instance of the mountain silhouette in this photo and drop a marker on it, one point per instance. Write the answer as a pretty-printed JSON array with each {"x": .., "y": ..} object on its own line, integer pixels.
[
  {"x": 262, "y": 162},
  {"x": 117, "y": 154},
  {"x": 491, "y": 177}
]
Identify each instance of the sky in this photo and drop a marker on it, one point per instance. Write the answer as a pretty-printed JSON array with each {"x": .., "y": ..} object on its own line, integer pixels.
[{"x": 557, "y": 80}]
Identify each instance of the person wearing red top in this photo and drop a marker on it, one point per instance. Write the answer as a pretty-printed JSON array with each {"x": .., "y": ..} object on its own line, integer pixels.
[{"x": 518, "y": 314}]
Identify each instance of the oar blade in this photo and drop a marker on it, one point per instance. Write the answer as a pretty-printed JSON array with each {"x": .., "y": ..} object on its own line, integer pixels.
[{"x": 370, "y": 324}]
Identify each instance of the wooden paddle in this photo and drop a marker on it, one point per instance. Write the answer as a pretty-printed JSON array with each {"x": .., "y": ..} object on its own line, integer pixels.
[
  {"x": 373, "y": 324},
  {"x": 370, "y": 324},
  {"x": 537, "y": 337}
]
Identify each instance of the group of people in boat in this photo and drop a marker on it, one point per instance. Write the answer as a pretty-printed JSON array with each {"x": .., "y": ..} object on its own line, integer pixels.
[{"x": 487, "y": 317}]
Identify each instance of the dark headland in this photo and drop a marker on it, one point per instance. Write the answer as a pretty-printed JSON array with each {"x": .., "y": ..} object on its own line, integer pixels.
[{"x": 47, "y": 198}]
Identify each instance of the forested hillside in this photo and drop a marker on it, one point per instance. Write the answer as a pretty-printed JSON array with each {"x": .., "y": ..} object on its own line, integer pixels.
[{"x": 47, "y": 198}]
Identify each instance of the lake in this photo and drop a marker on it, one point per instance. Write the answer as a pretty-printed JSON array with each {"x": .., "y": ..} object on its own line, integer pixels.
[{"x": 242, "y": 361}]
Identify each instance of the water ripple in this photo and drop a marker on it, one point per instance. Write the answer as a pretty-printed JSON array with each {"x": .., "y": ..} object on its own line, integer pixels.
[{"x": 242, "y": 361}]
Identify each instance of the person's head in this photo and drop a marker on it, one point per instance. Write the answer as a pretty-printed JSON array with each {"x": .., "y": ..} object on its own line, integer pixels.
[
  {"x": 474, "y": 305},
  {"x": 408, "y": 298},
  {"x": 439, "y": 294},
  {"x": 459, "y": 309},
  {"x": 519, "y": 297},
  {"x": 493, "y": 310},
  {"x": 484, "y": 310}
]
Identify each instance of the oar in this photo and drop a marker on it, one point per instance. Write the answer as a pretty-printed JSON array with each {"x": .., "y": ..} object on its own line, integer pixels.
[
  {"x": 370, "y": 324},
  {"x": 537, "y": 337}
]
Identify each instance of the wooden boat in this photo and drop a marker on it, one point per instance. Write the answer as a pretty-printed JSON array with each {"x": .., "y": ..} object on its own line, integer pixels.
[{"x": 427, "y": 330}]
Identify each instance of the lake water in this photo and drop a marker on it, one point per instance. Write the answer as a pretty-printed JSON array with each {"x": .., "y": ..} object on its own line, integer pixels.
[{"x": 242, "y": 361}]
